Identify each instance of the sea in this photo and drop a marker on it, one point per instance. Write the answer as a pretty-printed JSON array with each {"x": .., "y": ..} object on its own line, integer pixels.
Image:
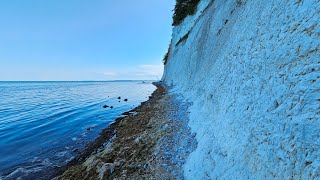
[{"x": 43, "y": 125}]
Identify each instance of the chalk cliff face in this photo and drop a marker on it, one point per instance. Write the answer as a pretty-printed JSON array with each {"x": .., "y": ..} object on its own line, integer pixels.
[{"x": 251, "y": 68}]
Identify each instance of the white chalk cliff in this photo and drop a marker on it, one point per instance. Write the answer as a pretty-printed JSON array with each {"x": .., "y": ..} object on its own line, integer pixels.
[{"x": 251, "y": 68}]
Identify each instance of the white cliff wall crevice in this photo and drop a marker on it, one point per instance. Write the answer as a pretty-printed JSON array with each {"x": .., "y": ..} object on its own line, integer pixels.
[{"x": 252, "y": 71}]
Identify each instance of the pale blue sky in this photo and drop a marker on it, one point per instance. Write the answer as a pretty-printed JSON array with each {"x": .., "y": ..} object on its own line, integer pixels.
[{"x": 83, "y": 39}]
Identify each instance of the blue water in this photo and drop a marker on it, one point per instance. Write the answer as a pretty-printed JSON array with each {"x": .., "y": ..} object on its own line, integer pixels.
[{"x": 43, "y": 123}]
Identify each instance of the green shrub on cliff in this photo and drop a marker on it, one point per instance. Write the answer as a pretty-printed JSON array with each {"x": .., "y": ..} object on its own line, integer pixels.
[
  {"x": 166, "y": 57},
  {"x": 183, "y": 39},
  {"x": 182, "y": 9}
]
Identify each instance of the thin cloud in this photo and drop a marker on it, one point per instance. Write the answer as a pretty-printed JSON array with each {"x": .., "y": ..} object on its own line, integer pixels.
[
  {"x": 110, "y": 74},
  {"x": 150, "y": 70},
  {"x": 140, "y": 72}
]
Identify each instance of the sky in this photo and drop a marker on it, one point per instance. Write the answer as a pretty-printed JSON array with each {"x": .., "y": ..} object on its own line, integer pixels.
[{"x": 53, "y": 40}]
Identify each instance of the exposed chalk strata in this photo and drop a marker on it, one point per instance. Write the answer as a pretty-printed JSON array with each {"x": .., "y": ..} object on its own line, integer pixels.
[{"x": 251, "y": 68}]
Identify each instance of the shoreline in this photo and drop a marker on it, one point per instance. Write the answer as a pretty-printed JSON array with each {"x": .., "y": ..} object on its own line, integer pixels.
[
  {"x": 105, "y": 135},
  {"x": 30, "y": 170},
  {"x": 145, "y": 143}
]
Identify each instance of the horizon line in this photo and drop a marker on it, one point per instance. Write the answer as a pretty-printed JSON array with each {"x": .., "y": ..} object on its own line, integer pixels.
[{"x": 75, "y": 80}]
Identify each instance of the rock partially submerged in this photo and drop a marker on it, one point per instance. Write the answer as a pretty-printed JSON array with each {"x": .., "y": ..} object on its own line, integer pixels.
[{"x": 145, "y": 145}]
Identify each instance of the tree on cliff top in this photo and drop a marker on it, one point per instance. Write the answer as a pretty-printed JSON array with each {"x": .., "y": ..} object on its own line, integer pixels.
[{"x": 182, "y": 9}]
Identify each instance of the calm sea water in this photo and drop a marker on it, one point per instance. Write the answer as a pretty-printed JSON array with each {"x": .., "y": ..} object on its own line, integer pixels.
[{"x": 42, "y": 124}]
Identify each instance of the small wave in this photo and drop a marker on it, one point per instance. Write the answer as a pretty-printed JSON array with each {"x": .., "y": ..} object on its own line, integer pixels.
[
  {"x": 43, "y": 120},
  {"x": 26, "y": 170}
]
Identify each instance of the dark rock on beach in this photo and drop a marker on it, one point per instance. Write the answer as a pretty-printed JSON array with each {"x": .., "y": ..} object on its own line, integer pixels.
[{"x": 151, "y": 142}]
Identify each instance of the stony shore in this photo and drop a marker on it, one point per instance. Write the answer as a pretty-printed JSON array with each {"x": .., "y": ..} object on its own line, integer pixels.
[{"x": 150, "y": 142}]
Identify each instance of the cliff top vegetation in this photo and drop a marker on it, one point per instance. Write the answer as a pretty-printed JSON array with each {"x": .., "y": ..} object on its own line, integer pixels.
[{"x": 182, "y": 9}]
